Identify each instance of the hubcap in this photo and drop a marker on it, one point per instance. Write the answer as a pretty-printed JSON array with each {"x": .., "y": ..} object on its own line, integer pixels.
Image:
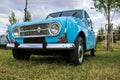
[{"x": 80, "y": 53}]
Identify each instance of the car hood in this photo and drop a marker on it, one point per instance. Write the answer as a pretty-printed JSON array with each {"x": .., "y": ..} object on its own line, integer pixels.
[{"x": 58, "y": 19}]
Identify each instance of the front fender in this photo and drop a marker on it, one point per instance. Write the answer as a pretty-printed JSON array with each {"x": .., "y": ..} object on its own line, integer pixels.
[{"x": 73, "y": 30}]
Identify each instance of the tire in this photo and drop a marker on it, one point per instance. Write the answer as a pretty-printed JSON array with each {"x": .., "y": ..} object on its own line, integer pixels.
[
  {"x": 93, "y": 52},
  {"x": 77, "y": 55},
  {"x": 20, "y": 54}
]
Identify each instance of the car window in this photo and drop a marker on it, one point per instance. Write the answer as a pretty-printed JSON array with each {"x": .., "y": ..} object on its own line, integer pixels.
[
  {"x": 54, "y": 15},
  {"x": 78, "y": 14},
  {"x": 68, "y": 13},
  {"x": 86, "y": 16},
  {"x": 87, "y": 21},
  {"x": 75, "y": 13}
]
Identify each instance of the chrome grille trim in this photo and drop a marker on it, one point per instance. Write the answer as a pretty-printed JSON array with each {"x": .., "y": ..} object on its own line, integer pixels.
[{"x": 36, "y": 30}]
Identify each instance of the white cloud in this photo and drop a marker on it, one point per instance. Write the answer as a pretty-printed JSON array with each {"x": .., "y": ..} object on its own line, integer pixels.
[
  {"x": 2, "y": 29},
  {"x": 3, "y": 19},
  {"x": 19, "y": 15}
]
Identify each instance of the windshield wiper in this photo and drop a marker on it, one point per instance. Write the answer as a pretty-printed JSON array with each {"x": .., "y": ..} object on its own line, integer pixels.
[
  {"x": 74, "y": 13},
  {"x": 60, "y": 14}
]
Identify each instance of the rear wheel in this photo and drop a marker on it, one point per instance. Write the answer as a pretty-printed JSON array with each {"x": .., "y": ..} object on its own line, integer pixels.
[
  {"x": 77, "y": 55},
  {"x": 20, "y": 54},
  {"x": 93, "y": 52}
]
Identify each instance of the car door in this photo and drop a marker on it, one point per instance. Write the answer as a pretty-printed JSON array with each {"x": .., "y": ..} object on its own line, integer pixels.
[{"x": 91, "y": 35}]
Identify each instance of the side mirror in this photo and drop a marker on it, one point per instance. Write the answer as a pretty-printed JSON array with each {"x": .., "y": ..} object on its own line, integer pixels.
[{"x": 88, "y": 20}]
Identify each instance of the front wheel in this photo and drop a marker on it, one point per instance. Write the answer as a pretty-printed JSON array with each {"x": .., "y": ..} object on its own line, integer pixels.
[
  {"x": 20, "y": 54},
  {"x": 93, "y": 52},
  {"x": 77, "y": 55}
]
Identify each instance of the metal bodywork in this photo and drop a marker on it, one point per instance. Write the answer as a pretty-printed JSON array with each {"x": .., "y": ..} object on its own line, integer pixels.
[
  {"x": 70, "y": 27},
  {"x": 49, "y": 46}
]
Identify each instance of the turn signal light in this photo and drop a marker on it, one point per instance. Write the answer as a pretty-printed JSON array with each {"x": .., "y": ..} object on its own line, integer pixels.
[
  {"x": 63, "y": 38},
  {"x": 12, "y": 40}
]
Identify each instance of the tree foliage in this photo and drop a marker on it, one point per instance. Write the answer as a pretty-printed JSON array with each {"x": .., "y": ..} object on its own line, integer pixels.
[
  {"x": 12, "y": 18},
  {"x": 27, "y": 16},
  {"x": 104, "y": 5}
]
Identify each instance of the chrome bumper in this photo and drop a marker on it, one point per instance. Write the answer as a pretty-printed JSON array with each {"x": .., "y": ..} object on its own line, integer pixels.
[{"x": 40, "y": 46}]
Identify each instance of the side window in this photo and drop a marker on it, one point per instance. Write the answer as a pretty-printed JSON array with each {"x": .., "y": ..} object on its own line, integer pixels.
[
  {"x": 88, "y": 20},
  {"x": 86, "y": 16}
]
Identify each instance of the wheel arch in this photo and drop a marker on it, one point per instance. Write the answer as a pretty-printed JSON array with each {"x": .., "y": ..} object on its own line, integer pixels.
[{"x": 82, "y": 35}]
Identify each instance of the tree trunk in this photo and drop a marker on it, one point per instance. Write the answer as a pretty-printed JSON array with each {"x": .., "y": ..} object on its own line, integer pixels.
[{"x": 109, "y": 31}]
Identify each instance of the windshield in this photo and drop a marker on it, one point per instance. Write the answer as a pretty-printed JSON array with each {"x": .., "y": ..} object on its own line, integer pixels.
[{"x": 75, "y": 13}]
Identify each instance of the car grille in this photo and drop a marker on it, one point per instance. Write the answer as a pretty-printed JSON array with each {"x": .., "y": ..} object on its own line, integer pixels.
[{"x": 38, "y": 30}]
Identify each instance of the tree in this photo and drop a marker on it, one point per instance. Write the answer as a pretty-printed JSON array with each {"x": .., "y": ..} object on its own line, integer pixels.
[
  {"x": 27, "y": 16},
  {"x": 12, "y": 18},
  {"x": 106, "y": 7}
]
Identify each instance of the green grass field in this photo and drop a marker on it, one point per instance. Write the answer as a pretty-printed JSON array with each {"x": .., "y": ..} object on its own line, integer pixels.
[{"x": 104, "y": 66}]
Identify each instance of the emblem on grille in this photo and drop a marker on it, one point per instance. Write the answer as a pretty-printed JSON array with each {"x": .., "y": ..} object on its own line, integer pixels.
[{"x": 39, "y": 29}]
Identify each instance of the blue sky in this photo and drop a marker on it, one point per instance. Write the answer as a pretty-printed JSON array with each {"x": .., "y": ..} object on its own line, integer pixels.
[{"x": 41, "y": 8}]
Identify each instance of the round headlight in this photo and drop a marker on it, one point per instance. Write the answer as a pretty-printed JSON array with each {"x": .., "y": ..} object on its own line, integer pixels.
[
  {"x": 15, "y": 32},
  {"x": 55, "y": 29}
]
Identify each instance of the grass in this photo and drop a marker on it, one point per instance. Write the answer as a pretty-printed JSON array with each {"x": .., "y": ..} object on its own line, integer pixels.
[{"x": 104, "y": 66}]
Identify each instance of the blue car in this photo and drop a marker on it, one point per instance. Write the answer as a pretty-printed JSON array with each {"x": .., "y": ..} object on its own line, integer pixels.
[{"x": 66, "y": 32}]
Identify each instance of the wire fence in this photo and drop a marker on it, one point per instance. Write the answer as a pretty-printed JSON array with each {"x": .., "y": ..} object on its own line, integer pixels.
[
  {"x": 103, "y": 35},
  {"x": 113, "y": 38}
]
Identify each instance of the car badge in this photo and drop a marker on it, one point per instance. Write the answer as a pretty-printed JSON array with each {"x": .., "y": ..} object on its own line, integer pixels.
[{"x": 39, "y": 29}]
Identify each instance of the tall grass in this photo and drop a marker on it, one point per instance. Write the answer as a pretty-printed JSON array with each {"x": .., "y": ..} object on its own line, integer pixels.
[{"x": 104, "y": 66}]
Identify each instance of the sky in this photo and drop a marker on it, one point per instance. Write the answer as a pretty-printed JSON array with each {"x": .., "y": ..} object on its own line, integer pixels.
[{"x": 39, "y": 9}]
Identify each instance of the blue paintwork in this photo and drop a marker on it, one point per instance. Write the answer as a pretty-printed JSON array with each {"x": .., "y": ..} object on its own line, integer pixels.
[{"x": 72, "y": 25}]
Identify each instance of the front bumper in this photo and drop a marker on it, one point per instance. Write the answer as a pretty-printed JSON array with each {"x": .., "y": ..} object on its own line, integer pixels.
[{"x": 40, "y": 46}]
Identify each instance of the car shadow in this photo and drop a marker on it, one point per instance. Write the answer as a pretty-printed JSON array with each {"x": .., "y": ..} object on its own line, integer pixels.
[
  {"x": 54, "y": 59},
  {"x": 49, "y": 59}
]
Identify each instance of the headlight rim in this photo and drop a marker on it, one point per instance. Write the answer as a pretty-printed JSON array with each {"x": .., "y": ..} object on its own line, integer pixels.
[
  {"x": 14, "y": 30},
  {"x": 59, "y": 28}
]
